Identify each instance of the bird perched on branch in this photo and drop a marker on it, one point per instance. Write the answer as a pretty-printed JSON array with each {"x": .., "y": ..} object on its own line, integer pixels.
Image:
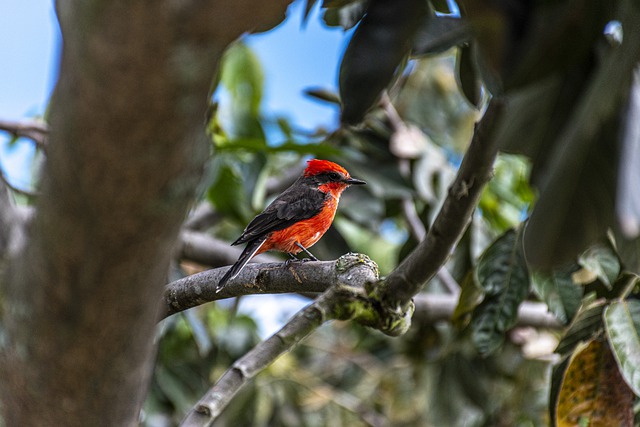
[{"x": 297, "y": 218}]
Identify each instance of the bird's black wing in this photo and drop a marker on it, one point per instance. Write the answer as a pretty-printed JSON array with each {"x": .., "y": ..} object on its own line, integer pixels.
[{"x": 296, "y": 203}]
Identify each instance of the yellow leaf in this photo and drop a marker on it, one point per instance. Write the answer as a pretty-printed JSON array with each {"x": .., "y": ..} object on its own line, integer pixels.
[{"x": 593, "y": 392}]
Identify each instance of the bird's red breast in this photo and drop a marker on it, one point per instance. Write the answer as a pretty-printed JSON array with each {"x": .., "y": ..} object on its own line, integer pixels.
[{"x": 307, "y": 232}]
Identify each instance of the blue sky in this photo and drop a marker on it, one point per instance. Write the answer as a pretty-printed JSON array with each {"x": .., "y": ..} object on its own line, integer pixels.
[{"x": 294, "y": 57}]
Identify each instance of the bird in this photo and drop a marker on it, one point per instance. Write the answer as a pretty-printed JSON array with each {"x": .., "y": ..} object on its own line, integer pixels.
[{"x": 297, "y": 218}]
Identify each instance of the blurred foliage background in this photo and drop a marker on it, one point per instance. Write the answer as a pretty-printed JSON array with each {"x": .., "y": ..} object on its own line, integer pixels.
[{"x": 479, "y": 369}]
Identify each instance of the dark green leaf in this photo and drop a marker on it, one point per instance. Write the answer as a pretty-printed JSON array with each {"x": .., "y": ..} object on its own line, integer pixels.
[
  {"x": 629, "y": 252},
  {"x": 559, "y": 292},
  {"x": 259, "y": 146},
  {"x": 227, "y": 193},
  {"x": 622, "y": 323},
  {"x": 375, "y": 51},
  {"x": 581, "y": 174},
  {"x": 502, "y": 274},
  {"x": 323, "y": 95},
  {"x": 441, "y": 6},
  {"x": 501, "y": 263},
  {"x": 438, "y": 34},
  {"x": 466, "y": 76},
  {"x": 344, "y": 13},
  {"x": 586, "y": 324}
]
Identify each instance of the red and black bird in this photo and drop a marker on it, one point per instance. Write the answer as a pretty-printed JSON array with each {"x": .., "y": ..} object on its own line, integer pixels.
[{"x": 297, "y": 218}]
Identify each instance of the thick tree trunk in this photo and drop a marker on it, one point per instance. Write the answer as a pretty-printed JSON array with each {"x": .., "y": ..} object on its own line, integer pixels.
[{"x": 80, "y": 300}]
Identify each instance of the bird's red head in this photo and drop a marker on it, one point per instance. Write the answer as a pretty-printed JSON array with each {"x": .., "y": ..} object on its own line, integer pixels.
[
  {"x": 315, "y": 167},
  {"x": 332, "y": 177}
]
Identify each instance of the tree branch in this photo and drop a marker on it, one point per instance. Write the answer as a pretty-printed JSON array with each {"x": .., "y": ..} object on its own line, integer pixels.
[
  {"x": 432, "y": 308},
  {"x": 254, "y": 279},
  {"x": 432, "y": 253},
  {"x": 201, "y": 217},
  {"x": 36, "y": 131},
  {"x": 207, "y": 250},
  {"x": 340, "y": 302}
]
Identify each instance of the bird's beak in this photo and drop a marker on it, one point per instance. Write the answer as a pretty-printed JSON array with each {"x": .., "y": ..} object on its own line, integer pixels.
[{"x": 353, "y": 181}]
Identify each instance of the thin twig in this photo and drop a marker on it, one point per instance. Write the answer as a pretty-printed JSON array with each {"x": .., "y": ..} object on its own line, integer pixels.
[
  {"x": 26, "y": 193},
  {"x": 201, "y": 217},
  {"x": 36, "y": 131}
]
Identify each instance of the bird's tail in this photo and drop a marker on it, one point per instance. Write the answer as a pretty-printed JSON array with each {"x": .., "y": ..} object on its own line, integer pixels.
[{"x": 244, "y": 258}]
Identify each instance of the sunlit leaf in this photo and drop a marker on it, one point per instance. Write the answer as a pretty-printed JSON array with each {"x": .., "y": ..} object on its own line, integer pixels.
[
  {"x": 471, "y": 296},
  {"x": 602, "y": 262},
  {"x": 242, "y": 76},
  {"x": 593, "y": 392},
  {"x": 622, "y": 323}
]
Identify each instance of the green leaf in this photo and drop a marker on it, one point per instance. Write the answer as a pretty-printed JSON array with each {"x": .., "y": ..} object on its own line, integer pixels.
[
  {"x": 622, "y": 324},
  {"x": 629, "y": 252},
  {"x": 502, "y": 274},
  {"x": 227, "y": 193},
  {"x": 242, "y": 76},
  {"x": 471, "y": 295},
  {"x": 559, "y": 292},
  {"x": 603, "y": 262},
  {"x": 586, "y": 324},
  {"x": 501, "y": 263}
]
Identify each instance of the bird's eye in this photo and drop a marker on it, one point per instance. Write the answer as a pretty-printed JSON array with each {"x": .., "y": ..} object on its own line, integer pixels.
[{"x": 335, "y": 176}]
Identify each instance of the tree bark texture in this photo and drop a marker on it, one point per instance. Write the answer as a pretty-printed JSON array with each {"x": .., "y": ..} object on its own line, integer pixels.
[{"x": 80, "y": 299}]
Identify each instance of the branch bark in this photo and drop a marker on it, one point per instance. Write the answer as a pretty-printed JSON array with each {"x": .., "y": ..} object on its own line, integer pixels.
[
  {"x": 125, "y": 152},
  {"x": 254, "y": 279},
  {"x": 340, "y": 302},
  {"x": 431, "y": 254},
  {"x": 206, "y": 250}
]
